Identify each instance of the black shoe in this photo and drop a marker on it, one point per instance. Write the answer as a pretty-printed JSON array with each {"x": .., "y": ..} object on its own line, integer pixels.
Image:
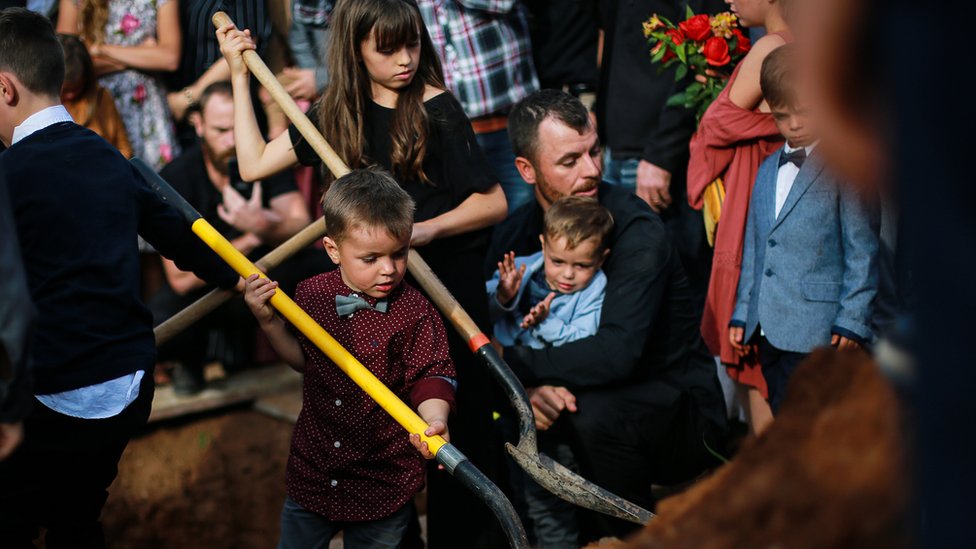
[{"x": 188, "y": 379}]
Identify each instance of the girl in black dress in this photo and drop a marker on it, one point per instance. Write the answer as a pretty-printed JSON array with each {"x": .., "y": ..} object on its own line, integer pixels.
[{"x": 387, "y": 105}]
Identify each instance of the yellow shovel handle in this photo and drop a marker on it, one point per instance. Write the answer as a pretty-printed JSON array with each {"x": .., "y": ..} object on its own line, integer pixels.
[{"x": 383, "y": 396}]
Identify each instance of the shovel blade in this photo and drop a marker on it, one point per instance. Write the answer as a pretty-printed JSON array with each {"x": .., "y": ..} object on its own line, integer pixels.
[{"x": 575, "y": 489}]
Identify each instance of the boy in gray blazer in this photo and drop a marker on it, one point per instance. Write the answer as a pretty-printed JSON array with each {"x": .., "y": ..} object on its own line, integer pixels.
[{"x": 809, "y": 263}]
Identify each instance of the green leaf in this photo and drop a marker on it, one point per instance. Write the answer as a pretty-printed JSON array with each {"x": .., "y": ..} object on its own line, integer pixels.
[
  {"x": 681, "y": 72},
  {"x": 689, "y": 13},
  {"x": 659, "y": 55},
  {"x": 680, "y": 52},
  {"x": 677, "y": 100}
]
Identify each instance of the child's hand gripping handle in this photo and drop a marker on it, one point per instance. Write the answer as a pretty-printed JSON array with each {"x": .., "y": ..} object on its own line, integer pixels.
[{"x": 380, "y": 393}]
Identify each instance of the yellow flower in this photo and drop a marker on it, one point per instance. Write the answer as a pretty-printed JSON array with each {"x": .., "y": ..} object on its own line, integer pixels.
[
  {"x": 652, "y": 25},
  {"x": 722, "y": 24}
]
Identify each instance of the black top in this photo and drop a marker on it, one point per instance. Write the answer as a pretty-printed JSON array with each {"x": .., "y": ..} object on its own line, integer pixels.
[
  {"x": 454, "y": 163},
  {"x": 78, "y": 206},
  {"x": 564, "y": 42},
  {"x": 187, "y": 174},
  {"x": 16, "y": 318},
  {"x": 648, "y": 343},
  {"x": 633, "y": 119}
]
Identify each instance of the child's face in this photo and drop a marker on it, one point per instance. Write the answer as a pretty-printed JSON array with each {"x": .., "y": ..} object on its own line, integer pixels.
[
  {"x": 571, "y": 270},
  {"x": 371, "y": 260},
  {"x": 390, "y": 70},
  {"x": 795, "y": 123}
]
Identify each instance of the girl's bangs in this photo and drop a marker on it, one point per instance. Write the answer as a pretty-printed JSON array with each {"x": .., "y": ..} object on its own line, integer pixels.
[{"x": 397, "y": 27}]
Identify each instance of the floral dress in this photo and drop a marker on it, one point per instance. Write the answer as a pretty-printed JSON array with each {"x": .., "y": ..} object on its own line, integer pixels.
[{"x": 139, "y": 96}]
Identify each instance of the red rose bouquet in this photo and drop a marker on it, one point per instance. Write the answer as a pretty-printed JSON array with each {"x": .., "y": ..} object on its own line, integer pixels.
[{"x": 706, "y": 46}]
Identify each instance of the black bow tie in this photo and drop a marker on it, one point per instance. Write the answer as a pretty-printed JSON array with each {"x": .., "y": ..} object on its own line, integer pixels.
[
  {"x": 347, "y": 305},
  {"x": 797, "y": 157}
]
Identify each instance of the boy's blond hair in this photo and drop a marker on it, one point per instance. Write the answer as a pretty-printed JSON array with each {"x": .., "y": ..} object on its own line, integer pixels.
[
  {"x": 367, "y": 198},
  {"x": 777, "y": 77},
  {"x": 578, "y": 219}
]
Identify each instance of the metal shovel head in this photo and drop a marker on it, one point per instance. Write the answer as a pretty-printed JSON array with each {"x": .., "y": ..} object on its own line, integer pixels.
[{"x": 573, "y": 488}]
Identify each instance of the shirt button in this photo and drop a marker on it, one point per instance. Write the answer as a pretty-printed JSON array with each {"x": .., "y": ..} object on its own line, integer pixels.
[
  {"x": 769, "y": 272},
  {"x": 334, "y": 483},
  {"x": 337, "y": 444},
  {"x": 338, "y": 402},
  {"x": 772, "y": 243}
]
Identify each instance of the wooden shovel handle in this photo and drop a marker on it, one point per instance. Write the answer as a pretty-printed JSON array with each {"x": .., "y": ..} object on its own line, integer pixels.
[{"x": 288, "y": 105}]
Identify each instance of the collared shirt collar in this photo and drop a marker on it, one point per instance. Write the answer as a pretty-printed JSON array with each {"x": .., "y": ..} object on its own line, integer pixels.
[
  {"x": 40, "y": 120},
  {"x": 809, "y": 148}
]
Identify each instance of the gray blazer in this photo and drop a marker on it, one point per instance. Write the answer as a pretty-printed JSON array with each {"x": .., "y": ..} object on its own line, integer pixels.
[{"x": 813, "y": 270}]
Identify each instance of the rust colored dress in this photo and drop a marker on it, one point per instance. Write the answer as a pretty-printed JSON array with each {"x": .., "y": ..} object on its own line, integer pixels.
[
  {"x": 731, "y": 142},
  {"x": 97, "y": 112}
]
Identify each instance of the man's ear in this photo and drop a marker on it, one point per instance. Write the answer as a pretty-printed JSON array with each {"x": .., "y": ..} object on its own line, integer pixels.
[
  {"x": 8, "y": 89},
  {"x": 196, "y": 118},
  {"x": 525, "y": 169},
  {"x": 331, "y": 249}
]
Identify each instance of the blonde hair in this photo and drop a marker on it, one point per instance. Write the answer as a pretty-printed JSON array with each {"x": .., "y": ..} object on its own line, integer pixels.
[
  {"x": 578, "y": 219},
  {"x": 92, "y": 17}
]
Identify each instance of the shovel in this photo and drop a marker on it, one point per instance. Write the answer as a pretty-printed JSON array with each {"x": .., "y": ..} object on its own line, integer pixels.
[
  {"x": 549, "y": 474},
  {"x": 454, "y": 462}
]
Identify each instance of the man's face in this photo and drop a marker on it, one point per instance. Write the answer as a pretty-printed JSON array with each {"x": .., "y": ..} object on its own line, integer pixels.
[
  {"x": 566, "y": 163},
  {"x": 215, "y": 126}
]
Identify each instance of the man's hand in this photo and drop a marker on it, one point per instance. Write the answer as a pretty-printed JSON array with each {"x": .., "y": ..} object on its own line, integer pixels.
[
  {"x": 247, "y": 216},
  {"x": 654, "y": 185},
  {"x": 548, "y": 402},
  {"x": 11, "y": 435},
  {"x": 509, "y": 279},
  {"x": 300, "y": 83},
  {"x": 538, "y": 313},
  {"x": 843, "y": 343}
]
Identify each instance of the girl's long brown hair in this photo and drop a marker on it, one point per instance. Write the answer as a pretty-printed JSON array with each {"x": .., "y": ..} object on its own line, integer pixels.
[
  {"x": 92, "y": 17},
  {"x": 394, "y": 23}
]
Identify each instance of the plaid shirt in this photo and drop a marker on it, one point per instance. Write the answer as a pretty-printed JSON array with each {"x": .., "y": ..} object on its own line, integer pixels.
[{"x": 484, "y": 46}]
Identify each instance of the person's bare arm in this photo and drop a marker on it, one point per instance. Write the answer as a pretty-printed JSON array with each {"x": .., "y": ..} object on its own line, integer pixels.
[
  {"x": 180, "y": 101},
  {"x": 184, "y": 282},
  {"x": 745, "y": 91},
  {"x": 292, "y": 210},
  {"x": 257, "y": 292},
  {"x": 478, "y": 211},
  {"x": 435, "y": 412},
  {"x": 257, "y": 158},
  {"x": 161, "y": 54}
]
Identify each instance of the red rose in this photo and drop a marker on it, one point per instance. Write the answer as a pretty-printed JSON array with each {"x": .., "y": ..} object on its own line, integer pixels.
[
  {"x": 717, "y": 52},
  {"x": 742, "y": 43},
  {"x": 676, "y": 36},
  {"x": 697, "y": 28}
]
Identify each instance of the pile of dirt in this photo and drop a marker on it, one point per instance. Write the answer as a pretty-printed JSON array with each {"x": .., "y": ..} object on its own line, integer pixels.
[
  {"x": 830, "y": 472},
  {"x": 215, "y": 481}
]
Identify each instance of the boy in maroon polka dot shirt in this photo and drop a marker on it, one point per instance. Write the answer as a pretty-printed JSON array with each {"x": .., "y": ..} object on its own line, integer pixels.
[{"x": 351, "y": 467}]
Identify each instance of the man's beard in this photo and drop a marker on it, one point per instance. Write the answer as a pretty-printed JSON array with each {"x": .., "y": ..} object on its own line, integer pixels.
[
  {"x": 219, "y": 160},
  {"x": 550, "y": 195}
]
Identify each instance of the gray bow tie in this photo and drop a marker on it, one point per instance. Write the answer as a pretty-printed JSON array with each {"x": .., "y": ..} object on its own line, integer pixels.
[{"x": 347, "y": 305}]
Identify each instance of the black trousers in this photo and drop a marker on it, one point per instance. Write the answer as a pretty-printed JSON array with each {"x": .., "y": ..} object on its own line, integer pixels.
[
  {"x": 59, "y": 477},
  {"x": 777, "y": 367},
  {"x": 625, "y": 446}
]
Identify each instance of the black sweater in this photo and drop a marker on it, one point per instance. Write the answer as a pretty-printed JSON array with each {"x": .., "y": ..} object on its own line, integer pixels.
[{"x": 78, "y": 206}]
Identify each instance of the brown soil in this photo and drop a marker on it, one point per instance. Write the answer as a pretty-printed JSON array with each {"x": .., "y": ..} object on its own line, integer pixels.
[
  {"x": 211, "y": 482},
  {"x": 830, "y": 472}
]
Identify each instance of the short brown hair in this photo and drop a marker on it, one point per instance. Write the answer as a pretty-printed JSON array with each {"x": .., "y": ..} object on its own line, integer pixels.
[
  {"x": 578, "y": 219},
  {"x": 367, "y": 198},
  {"x": 777, "y": 77},
  {"x": 31, "y": 51}
]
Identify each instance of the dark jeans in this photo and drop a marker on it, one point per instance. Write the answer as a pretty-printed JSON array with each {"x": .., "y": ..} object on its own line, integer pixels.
[
  {"x": 498, "y": 151},
  {"x": 59, "y": 478},
  {"x": 303, "y": 529},
  {"x": 777, "y": 367}
]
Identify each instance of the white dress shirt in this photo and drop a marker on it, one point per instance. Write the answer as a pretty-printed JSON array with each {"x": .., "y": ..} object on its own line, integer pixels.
[{"x": 786, "y": 176}]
